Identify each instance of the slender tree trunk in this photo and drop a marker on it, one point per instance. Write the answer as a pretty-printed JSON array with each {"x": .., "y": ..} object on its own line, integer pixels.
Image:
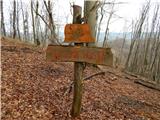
[
  {"x": 121, "y": 51},
  {"x": 3, "y": 30},
  {"x": 11, "y": 23},
  {"x": 155, "y": 56},
  {"x": 51, "y": 25},
  {"x": 19, "y": 36},
  {"x": 99, "y": 25},
  {"x": 49, "y": 22},
  {"x": 37, "y": 24},
  {"x": 14, "y": 19},
  {"x": 158, "y": 71},
  {"x": 33, "y": 23},
  {"x": 27, "y": 26},
  {"x": 107, "y": 30},
  {"x": 130, "y": 51},
  {"x": 46, "y": 28},
  {"x": 107, "y": 27},
  {"x": 23, "y": 18}
]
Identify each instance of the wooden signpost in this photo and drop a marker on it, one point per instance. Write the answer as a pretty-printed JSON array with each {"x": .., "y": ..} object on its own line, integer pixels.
[
  {"x": 79, "y": 34},
  {"x": 94, "y": 55}
]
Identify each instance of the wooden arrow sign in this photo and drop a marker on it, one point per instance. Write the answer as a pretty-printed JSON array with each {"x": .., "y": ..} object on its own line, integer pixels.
[{"x": 93, "y": 55}]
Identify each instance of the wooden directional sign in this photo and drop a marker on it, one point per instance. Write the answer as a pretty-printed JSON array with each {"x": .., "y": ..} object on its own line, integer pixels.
[
  {"x": 78, "y": 33},
  {"x": 93, "y": 55}
]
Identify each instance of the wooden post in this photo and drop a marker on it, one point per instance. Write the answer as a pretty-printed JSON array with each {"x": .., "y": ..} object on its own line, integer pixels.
[{"x": 78, "y": 70}]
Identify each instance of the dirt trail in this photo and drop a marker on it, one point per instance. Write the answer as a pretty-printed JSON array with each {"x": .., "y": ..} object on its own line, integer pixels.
[{"x": 33, "y": 89}]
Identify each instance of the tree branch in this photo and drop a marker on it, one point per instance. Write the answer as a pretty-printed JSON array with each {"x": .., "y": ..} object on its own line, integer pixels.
[
  {"x": 86, "y": 78},
  {"x": 41, "y": 18}
]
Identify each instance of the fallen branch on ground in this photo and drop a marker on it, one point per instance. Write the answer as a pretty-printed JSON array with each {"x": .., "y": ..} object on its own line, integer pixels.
[
  {"x": 99, "y": 73},
  {"x": 131, "y": 74},
  {"x": 86, "y": 78},
  {"x": 148, "y": 84}
]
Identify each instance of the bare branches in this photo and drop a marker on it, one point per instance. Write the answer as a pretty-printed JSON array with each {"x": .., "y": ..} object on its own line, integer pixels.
[
  {"x": 99, "y": 25},
  {"x": 42, "y": 18},
  {"x": 107, "y": 27}
]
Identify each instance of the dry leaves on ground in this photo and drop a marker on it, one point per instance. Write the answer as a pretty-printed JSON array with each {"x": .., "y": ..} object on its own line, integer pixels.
[{"x": 33, "y": 89}]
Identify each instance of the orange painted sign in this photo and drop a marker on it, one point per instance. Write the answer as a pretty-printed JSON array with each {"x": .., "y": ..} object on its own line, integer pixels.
[
  {"x": 78, "y": 33},
  {"x": 93, "y": 55}
]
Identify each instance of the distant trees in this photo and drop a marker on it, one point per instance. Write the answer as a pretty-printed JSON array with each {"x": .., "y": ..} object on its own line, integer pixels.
[
  {"x": 25, "y": 24},
  {"x": 107, "y": 27},
  {"x": 143, "y": 57},
  {"x": 104, "y": 14},
  {"x": 51, "y": 24},
  {"x": 49, "y": 21},
  {"x": 30, "y": 23}
]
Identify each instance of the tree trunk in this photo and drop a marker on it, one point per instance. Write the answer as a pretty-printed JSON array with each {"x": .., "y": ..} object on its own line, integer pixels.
[
  {"x": 3, "y": 31},
  {"x": 99, "y": 25},
  {"x": 37, "y": 24},
  {"x": 78, "y": 71},
  {"x": 121, "y": 54},
  {"x": 27, "y": 25},
  {"x": 23, "y": 17},
  {"x": 10, "y": 22},
  {"x": 19, "y": 36},
  {"x": 33, "y": 24},
  {"x": 51, "y": 25},
  {"x": 107, "y": 29},
  {"x": 90, "y": 13},
  {"x": 14, "y": 19}
]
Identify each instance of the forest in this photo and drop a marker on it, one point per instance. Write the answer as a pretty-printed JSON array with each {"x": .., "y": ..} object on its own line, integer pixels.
[{"x": 74, "y": 66}]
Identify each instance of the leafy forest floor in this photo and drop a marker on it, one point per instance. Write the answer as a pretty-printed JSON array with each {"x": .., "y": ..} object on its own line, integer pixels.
[{"x": 34, "y": 89}]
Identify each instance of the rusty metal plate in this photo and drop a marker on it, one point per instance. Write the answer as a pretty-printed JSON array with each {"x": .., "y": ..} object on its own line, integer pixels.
[
  {"x": 78, "y": 33},
  {"x": 93, "y": 55}
]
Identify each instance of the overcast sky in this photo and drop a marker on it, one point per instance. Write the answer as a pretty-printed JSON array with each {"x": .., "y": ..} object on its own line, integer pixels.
[{"x": 128, "y": 11}]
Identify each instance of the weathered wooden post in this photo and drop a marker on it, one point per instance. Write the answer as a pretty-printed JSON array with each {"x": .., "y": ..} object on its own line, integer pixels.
[
  {"x": 78, "y": 69},
  {"x": 79, "y": 34}
]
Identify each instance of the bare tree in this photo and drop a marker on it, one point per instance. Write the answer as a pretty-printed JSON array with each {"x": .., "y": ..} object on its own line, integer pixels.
[
  {"x": 17, "y": 20},
  {"x": 107, "y": 27},
  {"x": 33, "y": 24},
  {"x": 23, "y": 18},
  {"x": 50, "y": 22},
  {"x": 10, "y": 22},
  {"x": 26, "y": 25},
  {"x": 37, "y": 24},
  {"x": 14, "y": 19},
  {"x": 3, "y": 30},
  {"x": 99, "y": 25}
]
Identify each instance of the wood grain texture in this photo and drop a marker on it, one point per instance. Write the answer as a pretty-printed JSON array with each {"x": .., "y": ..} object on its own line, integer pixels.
[
  {"x": 78, "y": 33},
  {"x": 94, "y": 55}
]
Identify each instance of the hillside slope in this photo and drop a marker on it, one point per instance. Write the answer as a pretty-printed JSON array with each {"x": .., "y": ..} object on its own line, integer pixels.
[{"x": 33, "y": 89}]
